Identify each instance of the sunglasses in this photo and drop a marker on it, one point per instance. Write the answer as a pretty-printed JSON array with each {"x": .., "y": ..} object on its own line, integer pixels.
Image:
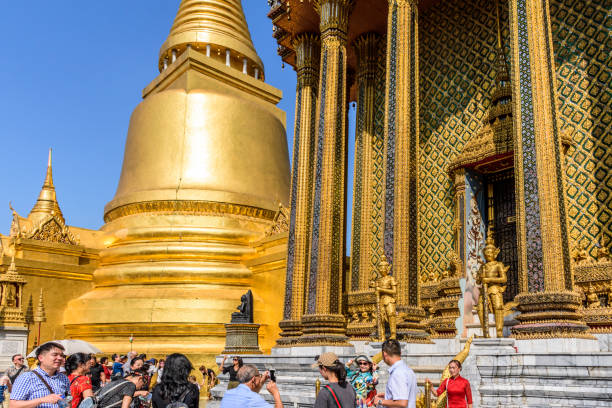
[{"x": 363, "y": 363}]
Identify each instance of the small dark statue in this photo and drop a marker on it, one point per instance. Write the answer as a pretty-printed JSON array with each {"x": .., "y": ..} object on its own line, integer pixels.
[{"x": 245, "y": 313}]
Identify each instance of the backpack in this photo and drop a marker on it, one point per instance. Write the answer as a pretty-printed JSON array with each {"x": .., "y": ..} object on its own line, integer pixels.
[
  {"x": 181, "y": 401},
  {"x": 94, "y": 400}
]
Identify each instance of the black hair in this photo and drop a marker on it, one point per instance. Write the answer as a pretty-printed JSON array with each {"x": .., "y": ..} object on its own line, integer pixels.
[
  {"x": 48, "y": 346},
  {"x": 175, "y": 377},
  {"x": 103, "y": 360},
  {"x": 74, "y": 361},
  {"x": 136, "y": 359},
  {"x": 339, "y": 370},
  {"x": 137, "y": 373},
  {"x": 456, "y": 362},
  {"x": 392, "y": 347},
  {"x": 240, "y": 363}
]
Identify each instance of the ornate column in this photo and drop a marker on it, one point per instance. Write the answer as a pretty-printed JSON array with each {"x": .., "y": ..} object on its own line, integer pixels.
[
  {"x": 323, "y": 322},
  {"x": 362, "y": 259},
  {"x": 402, "y": 144},
  {"x": 307, "y": 50},
  {"x": 547, "y": 301}
]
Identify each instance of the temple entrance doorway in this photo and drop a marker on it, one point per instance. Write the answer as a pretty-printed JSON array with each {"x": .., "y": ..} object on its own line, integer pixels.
[{"x": 501, "y": 211}]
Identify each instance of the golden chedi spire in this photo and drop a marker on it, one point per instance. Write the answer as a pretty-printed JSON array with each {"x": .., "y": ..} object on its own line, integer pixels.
[
  {"x": 40, "y": 315},
  {"x": 47, "y": 201},
  {"x": 213, "y": 27},
  {"x": 205, "y": 167}
]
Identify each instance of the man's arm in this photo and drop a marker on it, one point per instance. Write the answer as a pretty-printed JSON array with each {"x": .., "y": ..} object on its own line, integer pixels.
[
  {"x": 127, "y": 400},
  {"x": 273, "y": 389},
  {"x": 47, "y": 399}
]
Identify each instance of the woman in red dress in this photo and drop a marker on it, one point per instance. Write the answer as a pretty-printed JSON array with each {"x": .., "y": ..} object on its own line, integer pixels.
[
  {"x": 77, "y": 366},
  {"x": 458, "y": 391}
]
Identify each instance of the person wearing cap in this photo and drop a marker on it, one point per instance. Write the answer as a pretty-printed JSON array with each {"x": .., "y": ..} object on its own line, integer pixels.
[
  {"x": 363, "y": 377},
  {"x": 246, "y": 394},
  {"x": 401, "y": 388},
  {"x": 338, "y": 393}
]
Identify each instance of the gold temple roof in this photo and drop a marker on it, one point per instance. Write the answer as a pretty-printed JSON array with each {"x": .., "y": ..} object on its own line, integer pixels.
[
  {"x": 219, "y": 23},
  {"x": 46, "y": 204}
]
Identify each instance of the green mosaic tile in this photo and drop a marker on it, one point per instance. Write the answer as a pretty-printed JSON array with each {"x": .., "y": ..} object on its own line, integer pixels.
[
  {"x": 583, "y": 58},
  {"x": 457, "y": 43}
]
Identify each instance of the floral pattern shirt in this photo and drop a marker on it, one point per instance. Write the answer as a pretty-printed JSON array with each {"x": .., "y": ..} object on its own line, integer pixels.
[{"x": 362, "y": 382}]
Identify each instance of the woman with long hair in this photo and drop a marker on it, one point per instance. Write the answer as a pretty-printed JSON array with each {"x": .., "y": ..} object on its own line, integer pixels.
[
  {"x": 364, "y": 378},
  {"x": 338, "y": 392},
  {"x": 458, "y": 391},
  {"x": 232, "y": 370},
  {"x": 77, "y": 367},
  {"x": 176, "y": 386}
]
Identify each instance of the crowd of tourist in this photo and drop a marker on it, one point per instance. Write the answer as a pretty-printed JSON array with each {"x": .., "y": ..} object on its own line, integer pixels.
[
  {"x": 81, "y": 381},
  {"x": 133, "y": 381},
  {"x": 350, "y": 385}
]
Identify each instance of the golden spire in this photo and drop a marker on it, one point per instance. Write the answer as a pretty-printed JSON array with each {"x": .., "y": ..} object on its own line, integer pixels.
[
  {"x": 218, "y": 24},
  {"x": 47, "y": 202},
  {"x": 29, "y": 314},
  {"x": 40, "y": 315}
]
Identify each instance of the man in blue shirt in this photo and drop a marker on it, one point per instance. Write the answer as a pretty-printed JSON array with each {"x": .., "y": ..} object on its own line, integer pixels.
[
  {"x": 401, "y": 388},
  {"x": 44, "y": 386},
  {"x": 246, "y": 395}
]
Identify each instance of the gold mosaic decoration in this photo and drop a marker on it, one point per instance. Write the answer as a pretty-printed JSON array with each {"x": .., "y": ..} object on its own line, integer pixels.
[
  {"x": 457, "y": 59},
  {"x": 584, "y": 88}
]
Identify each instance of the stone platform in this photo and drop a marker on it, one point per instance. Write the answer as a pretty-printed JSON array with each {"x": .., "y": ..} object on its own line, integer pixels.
[{"x": 502, "y": 372}]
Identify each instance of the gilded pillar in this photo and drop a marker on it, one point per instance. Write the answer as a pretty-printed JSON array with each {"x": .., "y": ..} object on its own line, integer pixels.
[
  {"x": 307, "y": 49},
  {"x": 402, "y": 144},
  {"x": 362, "y": 258},
  {"x": 548, "y": 303},
  {"x": 323, "y": 322}
]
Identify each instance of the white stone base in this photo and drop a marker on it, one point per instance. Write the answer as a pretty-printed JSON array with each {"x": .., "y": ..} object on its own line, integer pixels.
[
  {"x": 605, "y": 341},
  {"x": 299, "y": 351},
  {"x": 475, "y": 330},
  {"x": 13, "y": 340},
  {"x": 562, "y": 345}
]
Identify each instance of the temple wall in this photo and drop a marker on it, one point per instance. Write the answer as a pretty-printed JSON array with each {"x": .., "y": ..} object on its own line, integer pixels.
[
  {"x": 457, "y": 40},
  {"x": 57, "y": 293},
  {"x": 583, "y": 58}
]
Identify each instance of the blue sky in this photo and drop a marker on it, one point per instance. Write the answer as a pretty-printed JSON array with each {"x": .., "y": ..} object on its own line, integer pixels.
[{"x": 72, "y": 72}]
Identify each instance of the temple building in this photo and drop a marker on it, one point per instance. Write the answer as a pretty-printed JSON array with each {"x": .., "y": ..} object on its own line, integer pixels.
[
  {"x": 199, "y": 216},
  {"x": 474, "y": 120},
  {"x": 482, "y": 199}
]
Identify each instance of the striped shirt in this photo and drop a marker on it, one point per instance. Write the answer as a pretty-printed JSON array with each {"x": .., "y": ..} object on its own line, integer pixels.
[{"x": 29, "y": 387}]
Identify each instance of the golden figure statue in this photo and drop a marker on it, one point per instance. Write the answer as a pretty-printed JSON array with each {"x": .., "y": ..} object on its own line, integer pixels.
[
  {"x": 603, "y": 254},
  {"x": 592, "y": 298},
  {"x": 580, "y": 255},
  {"x": 492, "y": 277},
  {"x": 386, "y": 290},
  {"x": 11, "y": 296}
]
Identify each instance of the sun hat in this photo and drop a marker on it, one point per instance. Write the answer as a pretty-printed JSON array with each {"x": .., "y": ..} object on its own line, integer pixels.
[
  {"x": 326, "y": 359},
  {"x": 363, "y": 357}
]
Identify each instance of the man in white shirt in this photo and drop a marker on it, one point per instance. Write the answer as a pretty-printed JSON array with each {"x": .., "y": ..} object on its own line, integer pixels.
[{"x": 401, "y": 388}]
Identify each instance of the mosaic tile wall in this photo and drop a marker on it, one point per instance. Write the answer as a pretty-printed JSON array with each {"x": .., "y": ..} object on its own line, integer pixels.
[
  {"x": 583, "y": 58},
  {"x": 457, "y": 41}
]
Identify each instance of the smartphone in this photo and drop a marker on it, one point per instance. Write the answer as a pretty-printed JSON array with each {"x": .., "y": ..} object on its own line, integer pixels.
[{"x": 273, "y": 375}]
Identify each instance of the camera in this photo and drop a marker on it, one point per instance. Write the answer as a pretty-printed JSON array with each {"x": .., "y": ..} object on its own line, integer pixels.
[{"x": 272, "y": 375}]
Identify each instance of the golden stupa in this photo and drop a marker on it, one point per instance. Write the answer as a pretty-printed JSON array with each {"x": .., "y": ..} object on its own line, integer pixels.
[{"x": 192, "y": 224}]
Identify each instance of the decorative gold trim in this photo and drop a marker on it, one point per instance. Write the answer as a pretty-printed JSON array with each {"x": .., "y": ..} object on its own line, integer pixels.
[{"x": 194, "y": 207}]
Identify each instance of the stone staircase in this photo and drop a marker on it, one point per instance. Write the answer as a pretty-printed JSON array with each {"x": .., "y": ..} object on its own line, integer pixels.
[
  {"x": 296, "y": 378},
  {"x": 502, "y": 372}
]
